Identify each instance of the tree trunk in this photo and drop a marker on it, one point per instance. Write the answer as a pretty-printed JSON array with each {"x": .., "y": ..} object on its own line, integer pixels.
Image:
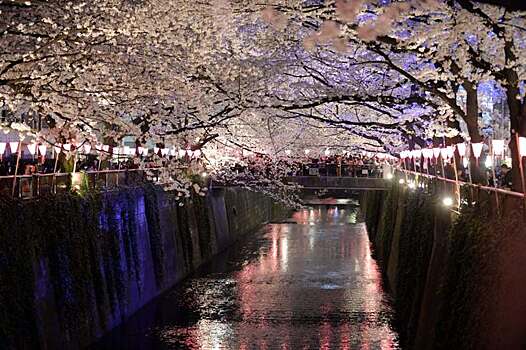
[{"x": 471, "y": 118}]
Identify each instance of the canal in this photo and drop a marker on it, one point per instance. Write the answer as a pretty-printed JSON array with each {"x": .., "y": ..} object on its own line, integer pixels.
[{"x": 309, "y": 283}]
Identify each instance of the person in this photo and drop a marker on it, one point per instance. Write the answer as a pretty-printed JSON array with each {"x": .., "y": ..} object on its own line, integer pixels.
[{"x": 505, "y": 176}]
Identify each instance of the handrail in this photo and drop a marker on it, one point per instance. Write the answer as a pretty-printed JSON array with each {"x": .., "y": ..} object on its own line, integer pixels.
[{"x": 463, "y": 183}]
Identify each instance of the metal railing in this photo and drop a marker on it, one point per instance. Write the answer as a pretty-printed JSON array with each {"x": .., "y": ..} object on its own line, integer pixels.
[{"x": 29, "y": 186}]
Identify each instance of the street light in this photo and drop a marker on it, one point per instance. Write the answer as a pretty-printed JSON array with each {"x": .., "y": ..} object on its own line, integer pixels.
[{"x": 447, "y": 201}]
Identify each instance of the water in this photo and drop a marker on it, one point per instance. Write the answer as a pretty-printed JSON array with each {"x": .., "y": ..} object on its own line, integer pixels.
[{"x": 309, "y": 285}]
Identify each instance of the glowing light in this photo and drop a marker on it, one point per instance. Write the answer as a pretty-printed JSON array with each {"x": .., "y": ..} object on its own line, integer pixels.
[
  {"x": 106, "y": 148},
  {"x": 327, "y": 152},
  {"x": 307, "y": 151},
  {"x": 411, "y": 185},
  {"x": 389, "y": 176},
  {"x": 447, "y": 201},
  {"x": 488, "y": 162},
  {"x": 13, "y": 146},
  {"x": 182, "y": 153},
  {"x": 66, "y": 147},
  {"x": 3, "y": 146},
  {"x": 436, "y": 152},
  {"x": 32, "y": 148},
  {"x": 288, "y": 152},
  {"x": 156, "y": 150},
  {"x": 204, "y": 174},
  {"x": 87, "y": 148},
  {"x": 427, "y": 153},
  {"x": 416, "y": 154},
  {"x": 42, "y": 149},
  {"x": 461, "y": 147},
  {"x": 522, "y": 146},
  {"x": 498, "y": 147},
  {"x": 164, "y": 152},
  {"x": 477, "y": 149},
  {"x": 401, "y": 181},
  {"x": 197, "y": 153}
]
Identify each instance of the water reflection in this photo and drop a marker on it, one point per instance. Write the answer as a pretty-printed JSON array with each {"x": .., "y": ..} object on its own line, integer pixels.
[{"x": 311, "y": 285}]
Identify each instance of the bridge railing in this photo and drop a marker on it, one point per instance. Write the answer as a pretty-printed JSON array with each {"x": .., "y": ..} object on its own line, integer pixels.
[
  {"x": 338, "y": 182},
  {"x": 29, "y": 186}
]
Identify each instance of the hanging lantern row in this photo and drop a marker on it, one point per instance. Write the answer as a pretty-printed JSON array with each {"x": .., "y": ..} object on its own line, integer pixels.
[
  {"x": 86, "y": 148},
  {"x": 449, "y": 151}
]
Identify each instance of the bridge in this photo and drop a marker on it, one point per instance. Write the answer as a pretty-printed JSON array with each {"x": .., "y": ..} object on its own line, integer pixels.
[{"x": 339, "y": 183}]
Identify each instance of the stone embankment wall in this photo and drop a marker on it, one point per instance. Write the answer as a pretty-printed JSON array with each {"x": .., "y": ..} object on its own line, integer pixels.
[
  {"x": 458, "y": 280},
  {"x": 72, "y": 268}
]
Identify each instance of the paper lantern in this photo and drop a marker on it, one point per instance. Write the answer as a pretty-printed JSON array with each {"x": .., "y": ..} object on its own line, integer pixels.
[
  {"x": 417, "y": 154},
  {"x": 57, "y": 149},
  {"x": 288, "y": 152},
  {"x": 197, "y": 153},
  {"x": 427, "y": 153},
  {"x": 190, "y": 153},
  {"x": 3, "y": 146},
  {"x": 307, "y": 151},
  {"x": 461, "y": 147},
  {"x": 13, "y": 146},
  {"x": 32, "y": 148},
  {"x": 327, "y": 152},
  {"x": 164, "y": 152},
  {"x": 173, "y": 152},
  {"x": 42, "y": 149},
  {"x": 87, "y": 148},
  {"x": 450, "y": 152},
  {"x": 436, "y": 152},
  {"x": 145, "y": 151},
  {"x": 66, "y": 147},
  {"x": 522, "y": 146},
  {"x": 156, "y": 150},
  {"x": 444, "y": 153},
  {"x": 106, "y": 148},
  {"x": 182, "y": 153},
  {"x": 498, "y": 147},
  {"x": 477, "y": 149}
]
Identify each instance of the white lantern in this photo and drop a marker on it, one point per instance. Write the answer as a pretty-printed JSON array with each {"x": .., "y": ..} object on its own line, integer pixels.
[
  {"x": 498, "y": 147},
  {"x": 32, "y": 148},
  {"x": 444, "y": 153},
  {"x": 190, "y": 153},
  {"x": 477, "y": 149},
  {"x": 288, "y": 152},
  {"x": 450, "y": 152},
  {"x": 13, "y": 146},
  {"x": 307, "y": 151},
  {"x": 182, "y": 153},
  {"x": 3, "y": 146},
  {"x": 522, "y": 146},
  {"x": 156, "y": 150},
  {"x": 461, "y": 147},
  {"x": 66, "y": 147},
  {"x": 106, "y": 148},
  {"x": 417, "y": 154},
  {"x": 173, "y": 152},
  {"x": 197, "y": 153},
  {"x": 43, "y": 150},
  {"x": 126, "y": 150},
  {"x": 87, "y": 148},
  {"x": 145, "y": 151},
  {"x": 327, "y": 152},
  {"x": 164, "y": 152},
  {"x": 427, "y": 153},
  {"x": 436, "y": 152},
  {"x": 57, "y": 149}
]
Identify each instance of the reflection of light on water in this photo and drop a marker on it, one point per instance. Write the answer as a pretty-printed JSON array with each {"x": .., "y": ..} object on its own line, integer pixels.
[{"x": 284, "y": 252}]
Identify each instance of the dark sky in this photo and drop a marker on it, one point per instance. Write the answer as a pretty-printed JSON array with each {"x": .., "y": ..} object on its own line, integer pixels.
[{"x": 511, "y": 4}]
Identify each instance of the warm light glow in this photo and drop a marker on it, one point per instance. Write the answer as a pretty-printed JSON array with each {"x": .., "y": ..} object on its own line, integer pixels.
[
  {"x": 182, "y": 153},
  {"x": 436, "y": 152},
  {"x": 488, "y": 162},
  {"x": 447, "y": 201},
  {"x": 32, "y": 148},
  {"x": 204, "y": 174},
  {"x": 156, "y": 150},
  {"x": 427, "y": 153},
  {"x": 66, "y": 147},
  {"x": 42, "y": 149},
  {"x": 13, "y": 146},
  {"x": 401, "y": 181},
  {"x": 522, "y": 146},
  {"x": 411, "y": 185},
  {"x": 327, "y": 152},
  {"x": 461, "y": 147},
  {"x": 416, "y": 154},
  {"x": 477, "y": 149},
  {"x": 197, "y": 153},
  {"x": 389, "y": 176},
  {"x": 498, "y": 147},
  {"x": 307, "y": 151}
]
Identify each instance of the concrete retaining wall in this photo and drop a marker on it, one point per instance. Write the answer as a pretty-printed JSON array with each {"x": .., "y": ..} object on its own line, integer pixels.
[
  {"x": 457, "y": 280},
  {"x": 73, "y": 268}
]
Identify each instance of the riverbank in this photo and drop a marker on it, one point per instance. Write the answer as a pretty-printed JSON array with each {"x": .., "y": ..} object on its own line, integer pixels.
[
  {"x": 456, "y": 278},
  {"x": 73, "y": 268}
]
